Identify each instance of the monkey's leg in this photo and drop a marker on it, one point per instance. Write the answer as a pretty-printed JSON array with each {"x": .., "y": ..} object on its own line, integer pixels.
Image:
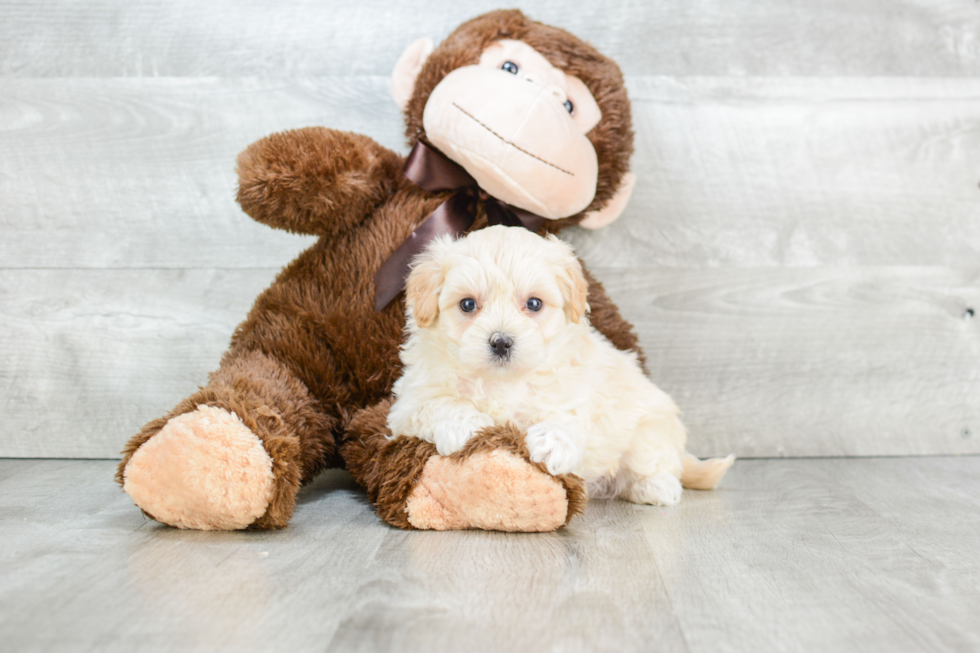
[
  {"x": 489, "y": 484},
  {"x": 233, "y": 454}
]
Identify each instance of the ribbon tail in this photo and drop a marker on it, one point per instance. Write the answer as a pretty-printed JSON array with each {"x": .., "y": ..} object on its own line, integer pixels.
[{"x": 453, "y": 217}]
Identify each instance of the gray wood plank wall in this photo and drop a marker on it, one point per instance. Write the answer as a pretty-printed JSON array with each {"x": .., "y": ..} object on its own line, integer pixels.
[{"x": 801, "y": 256}]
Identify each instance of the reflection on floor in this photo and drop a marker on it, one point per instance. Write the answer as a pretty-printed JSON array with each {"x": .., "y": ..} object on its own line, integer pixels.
[{"x": 818, "y": 554}]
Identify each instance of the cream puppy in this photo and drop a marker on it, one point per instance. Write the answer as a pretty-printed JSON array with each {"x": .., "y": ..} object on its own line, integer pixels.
[{"x": 498, "y": 332}]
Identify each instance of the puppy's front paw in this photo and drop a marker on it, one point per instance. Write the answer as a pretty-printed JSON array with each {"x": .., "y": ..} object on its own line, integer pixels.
[
  {"x": 449, "y": 435},
  {"x": 660, "y": 489},
  {"x": 552, "y": 444}
]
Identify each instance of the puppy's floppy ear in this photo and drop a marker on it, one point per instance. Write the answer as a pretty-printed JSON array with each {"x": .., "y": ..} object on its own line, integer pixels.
[
  {"x": 424, "y": 284},
  {"x": 571, "y": 281}
]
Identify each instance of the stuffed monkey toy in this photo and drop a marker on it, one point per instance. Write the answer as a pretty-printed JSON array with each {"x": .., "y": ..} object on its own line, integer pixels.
[{"x": 511, "y": 122}]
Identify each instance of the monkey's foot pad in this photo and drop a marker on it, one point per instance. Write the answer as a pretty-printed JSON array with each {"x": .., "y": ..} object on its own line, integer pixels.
[{"x": 493, "y": 491}]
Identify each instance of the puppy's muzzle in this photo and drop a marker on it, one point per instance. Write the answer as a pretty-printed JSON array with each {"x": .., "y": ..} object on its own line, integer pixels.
[{"x": 500, "y": 346}]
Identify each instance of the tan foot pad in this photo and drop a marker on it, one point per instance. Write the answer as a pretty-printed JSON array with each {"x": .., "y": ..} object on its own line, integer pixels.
[
  {"x": 204, "y": 470},
  {"x": 493, "y": 491}
]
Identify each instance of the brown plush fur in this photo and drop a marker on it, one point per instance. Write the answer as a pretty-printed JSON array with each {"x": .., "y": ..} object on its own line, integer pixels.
[
  {"x": 249, "y": 386},
  {"x": 388, "y": 469},
  {"x": 336, "y": 187},
  {"x": 310, "y": 370}
]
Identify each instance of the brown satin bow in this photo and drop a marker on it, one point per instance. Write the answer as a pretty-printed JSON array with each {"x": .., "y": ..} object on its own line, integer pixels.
[{"x": 435, "y": 172}]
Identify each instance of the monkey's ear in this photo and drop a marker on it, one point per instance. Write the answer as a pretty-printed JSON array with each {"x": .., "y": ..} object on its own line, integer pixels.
[
  {"x": 613, "y": 208},
  {"x": 407, "y": 69},
  {"x": 424, "y": 284}
]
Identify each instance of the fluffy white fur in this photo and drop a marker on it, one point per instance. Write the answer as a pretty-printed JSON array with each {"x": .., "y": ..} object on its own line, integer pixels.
[{"x": 586, "y": 406}]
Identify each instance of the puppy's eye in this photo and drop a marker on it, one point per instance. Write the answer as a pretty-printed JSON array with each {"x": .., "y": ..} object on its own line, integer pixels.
[
  {"x": 569, "y": 106},
  {"x": 467, "y": 305},
  {"x": 510, "y": 67},
  {"x": 534, "y": 304}
]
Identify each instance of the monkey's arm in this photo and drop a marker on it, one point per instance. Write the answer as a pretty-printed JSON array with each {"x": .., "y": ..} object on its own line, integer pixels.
[{"x": 315, "y": 180}]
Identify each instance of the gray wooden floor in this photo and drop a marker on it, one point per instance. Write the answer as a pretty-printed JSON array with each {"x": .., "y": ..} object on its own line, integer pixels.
[{"x": 794, "y": 554}]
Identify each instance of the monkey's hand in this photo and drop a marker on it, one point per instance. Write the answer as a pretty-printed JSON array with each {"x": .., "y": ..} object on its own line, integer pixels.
[{"x": 315, "y": 180}]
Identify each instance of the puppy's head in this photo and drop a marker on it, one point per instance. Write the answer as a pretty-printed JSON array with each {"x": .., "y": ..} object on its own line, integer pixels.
[{"x": 498, "y": 298}]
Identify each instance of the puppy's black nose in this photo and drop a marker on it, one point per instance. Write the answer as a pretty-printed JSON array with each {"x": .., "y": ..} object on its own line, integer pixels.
[{"x": 501, "y": 343}]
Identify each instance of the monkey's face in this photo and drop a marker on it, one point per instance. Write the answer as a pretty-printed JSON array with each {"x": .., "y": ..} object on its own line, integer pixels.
[{"x": 518, "y": 124}]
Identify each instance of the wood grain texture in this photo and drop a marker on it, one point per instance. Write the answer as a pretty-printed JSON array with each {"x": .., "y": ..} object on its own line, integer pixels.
[
  {"x": 140, "y": 173},
  {"x": 813, "y": 362},
  {"x": 764, "y": 362},
  {"x": 744, "y": 173},
  {"x": 830, "y": 555},
  {"x": 89, "y": 356},
  {"x": 809, "y": 555},
  {"x": 799, "y": 173},
  {"x": 111, "y": 38}
]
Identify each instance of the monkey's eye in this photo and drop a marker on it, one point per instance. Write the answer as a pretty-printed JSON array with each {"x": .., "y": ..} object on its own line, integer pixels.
[
  {"x": 534, "y": 304},
  {"x": 467, "y": 305},
  {"x": 510, "y": 67},
  {"x": 569, "y": 106}
]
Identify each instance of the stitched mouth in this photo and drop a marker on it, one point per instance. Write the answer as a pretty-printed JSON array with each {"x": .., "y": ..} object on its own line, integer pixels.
[{"x": 511, "y": 143}]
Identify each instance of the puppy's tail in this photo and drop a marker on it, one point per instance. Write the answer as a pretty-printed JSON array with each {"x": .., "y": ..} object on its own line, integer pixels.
[{"x": 704, "y": 474}]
